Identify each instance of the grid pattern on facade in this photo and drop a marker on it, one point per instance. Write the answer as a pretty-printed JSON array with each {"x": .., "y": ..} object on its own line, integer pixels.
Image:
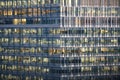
[{"x": 60, "y": 39}]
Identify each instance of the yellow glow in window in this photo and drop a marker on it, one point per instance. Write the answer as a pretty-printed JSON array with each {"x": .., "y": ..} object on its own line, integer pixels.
[{"x": 45, "y": 60}]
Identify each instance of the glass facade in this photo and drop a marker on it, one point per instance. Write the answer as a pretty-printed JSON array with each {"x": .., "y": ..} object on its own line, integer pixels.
[{"x": 59, "y": 39}]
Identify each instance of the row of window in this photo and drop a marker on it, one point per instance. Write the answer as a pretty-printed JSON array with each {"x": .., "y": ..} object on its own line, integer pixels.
[
  {"x": 83, "y": 60},
  {"x": 60, "y": 31},
  {"x": 23, "y": 21},
  {"x": 20, "y": 77},
  {"x": 86, "y": 60},
  {"x": 89, "y": 70},
  {"x": 96, "y": 61},
  {"x": 89, "y": 41},
  {"x": 26, "y": 3},
  {"x": 29, "y": 12},
  {"x": 94, "y": 21},
  {"x": 66, "y": 11},
  {"x": 29, "y": 3},
  {"x": 90, "y": 2},
  {"x": 71, "y": 21},
  {"x": 30, "y": 41},
  {"x": 64, "y": 41},
  {"x": 90, "y": 11},
  {"x": 24, "y": 59},
  {"x": 85, "y": 77},
  {"x": 38, "y": 50},
  {"x": 82, "y": 70},
  {"x": 24, "y": 68}
]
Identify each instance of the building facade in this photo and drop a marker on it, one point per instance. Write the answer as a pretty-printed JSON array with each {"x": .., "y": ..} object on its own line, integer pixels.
[{"x": 59, "y": 39}]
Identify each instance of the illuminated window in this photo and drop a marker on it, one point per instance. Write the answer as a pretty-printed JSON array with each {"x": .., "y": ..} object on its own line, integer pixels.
[
  {"x": 1, "y": 12},
  {"x": 23, "y": 21},
  {"x": 24, "y": 3},
  {"x": 18, "y": 3},
  {"x": 83, "y": 50},
  {"x": 104, "y": 49},
  {"x": 32, "y": 68},
  {"x": 35, "y": 11},
  {"x": 116, "y": 60},
  {"x": 26, "y": 31},
  {"x": 82, "y": 59},
  {"x": 102, "y": 59},
  {"x": 86, "y": 40},
  {"x": 25, "y": 40},
  {"x": 113, "y": 11},
  {"x": 16, "y": 40},
  {"x": 39, "y": 60},
  {"x": 5, "y": 12},
  {"x": 58, "y": 51},
  {"x": 45, "y": 60},
  {"x": 92, "y": 59},
  {"x": 16, "y": 31},
  {"x": 50, "y": 51},
  {"x": 19, "y": 21},
  {"x": 44, "y": 70},
  {"x": 24, "y": 12},
  {"x": 33, "y": 59},
  {"x": 39, "y": 31},
  {"x": 16, "y": 12},
  {"x": 1, "y": 49},
  {"x": 115, "y": 68},
  {"x": 91, "y": 49},
  {"x": 14, "y": 3},
  {"x": 32, "y": 50},
  {"x": 6, "y": 40},
  {"x": 86, "y": 69},
  {"x": 44, "y": 42},
  {"x": 39, "y": 50},
  {"x": 114, "y": 41},
  {"x": 26, "y": 59},
  {"x": 30, "y": 11},
  {"x": 2, "y": 4},
  {"x": 33, "y": 40},
  {"x": 106, "y": 68}
]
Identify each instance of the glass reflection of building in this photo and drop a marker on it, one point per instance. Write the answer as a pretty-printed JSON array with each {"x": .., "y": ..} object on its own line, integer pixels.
[{"x": 59, "y": 39}]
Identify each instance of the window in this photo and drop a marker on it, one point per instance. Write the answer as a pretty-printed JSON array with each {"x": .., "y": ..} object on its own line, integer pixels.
[
  {"x": 25, "y": 40},
  {"x": 19, "y": 21},
  {"x": 30, "y": 11},
  {"x": 16, "y": 31},
  {"x": 16, "y": 40},
  {"x": 9, "y": 4},
  {"x": 26, "y": 59},
  {"x": 35, "y": 11},
  {"x": 2, "y": 4},
  {"x": 33, "y": 59},
  {"x": 113, "y": 11},
  {"x": 39, "y": 60},
  {"x": 115, "y": 68},
  {"x": 83, "y": 50},
  {"x": 86, "y": 69},
  {"x": 56, "y": 1},
  {"x": 102, "y": 59},
  {"x": 44, "y": 70},
  {"x": 1, "y": 12},
  {"x": 18, "y": 3},
  {"x": 32, "y": 50},
  {"x": 92, "y": 59},
  {"x": 106, "y": 68},
  {"x": 24, "y": 12},
  {"x": 45, "y": 60},
  {"x": 5, "y": 12}
]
